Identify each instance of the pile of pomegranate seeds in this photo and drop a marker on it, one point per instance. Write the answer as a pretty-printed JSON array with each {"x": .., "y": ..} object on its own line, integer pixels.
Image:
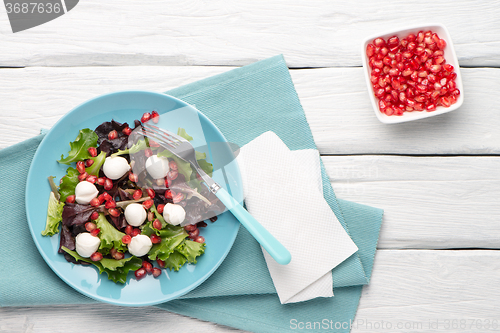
[{"x": 411, "y": 74}]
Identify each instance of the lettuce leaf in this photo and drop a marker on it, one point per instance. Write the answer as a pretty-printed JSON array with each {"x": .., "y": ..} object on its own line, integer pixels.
[
  {"x": 79, "y": 148},
  {"x": 117, "y": 270},
  {"x": 182, "y": 132},
  {"x": 167, "y": 246},
  {"x": 54, "y": 216},
  {"x": 175, "y": 261},
  {"x": 191, "y": 250},
  {"x": 96, "y": 166},
  {"x": 68, "y": 183},
  {"x": 110, "y": 237},
  {"x": 137, "y": 147}
]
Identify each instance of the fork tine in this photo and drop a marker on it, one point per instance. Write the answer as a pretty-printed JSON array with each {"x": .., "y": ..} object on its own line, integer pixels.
[{"x": 159, "y": 137}]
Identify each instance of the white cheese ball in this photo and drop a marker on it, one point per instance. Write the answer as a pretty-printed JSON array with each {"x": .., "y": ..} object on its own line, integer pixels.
[
  {"x": 86, "y": 244},
  {"x": 140, "y": 245},
  {"x": 84, "y": 192},
  {"x": 115, "y": 167},
  {"x": 174, "y": 214},
  {"x": 135, "y": 214},
  {"x": 157, "y": 166}
]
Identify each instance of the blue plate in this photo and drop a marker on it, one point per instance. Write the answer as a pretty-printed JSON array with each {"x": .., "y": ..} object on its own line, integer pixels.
[{"x": 125, "y": 107}]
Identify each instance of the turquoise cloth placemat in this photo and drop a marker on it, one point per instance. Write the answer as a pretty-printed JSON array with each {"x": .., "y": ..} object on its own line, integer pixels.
[{"x": 243, "y": 103}]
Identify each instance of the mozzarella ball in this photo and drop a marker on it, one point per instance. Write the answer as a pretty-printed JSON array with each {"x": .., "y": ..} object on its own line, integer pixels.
[
  {"x": 140, "y": 245},
  {"x": 84, "y": 192},
  {"x": 157, "y": 166},
  {"x": 115, "y": 167},
  {"x": 174, "y": 214},
  {"x": 135, "y": 214},
  {"x": 86, "y": 244}
]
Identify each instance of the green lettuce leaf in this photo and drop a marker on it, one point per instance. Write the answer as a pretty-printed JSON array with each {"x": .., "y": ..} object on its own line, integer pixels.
[
  {"x": 96, "y": 166},
  {"x": 175, "y": 261},
  {"x": 117, "y": 270},
  {"x": 54, "y": 216},
  {"x": 110, "y": 237},
  {"x": 68, "y": 184},
  {"x": 137, "y": 147},
  {"x": 182, "y": 132},
  {"x": 79, "y": 148},
  {"x": 166, "y": 247},
  {"x": 191, "y": 250}
]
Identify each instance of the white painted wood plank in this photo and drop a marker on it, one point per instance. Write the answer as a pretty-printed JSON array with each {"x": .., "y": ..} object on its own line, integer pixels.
[
  {"x": 335, "y": 101},
  {"x": 412, "y": 288},
  {"x": 316, "y": 33},
  {"x": 428, "y": 202}
]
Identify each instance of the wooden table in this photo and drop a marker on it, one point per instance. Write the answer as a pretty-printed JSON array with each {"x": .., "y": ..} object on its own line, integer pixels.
[{"x": 438, "y": 179}]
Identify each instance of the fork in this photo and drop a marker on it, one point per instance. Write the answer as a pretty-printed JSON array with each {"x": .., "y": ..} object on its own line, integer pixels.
[{"x": 184, "y": 150}]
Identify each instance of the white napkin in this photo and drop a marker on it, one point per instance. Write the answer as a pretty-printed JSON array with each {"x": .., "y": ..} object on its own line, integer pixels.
[{"x": 283, "y": 191}]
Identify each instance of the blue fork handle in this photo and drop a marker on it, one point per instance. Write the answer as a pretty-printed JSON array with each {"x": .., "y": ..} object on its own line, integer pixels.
[{"x": 264, "y": 237}]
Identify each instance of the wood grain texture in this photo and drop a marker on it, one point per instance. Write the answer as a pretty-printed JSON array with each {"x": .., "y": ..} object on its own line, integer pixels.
[
  {"x": 428, "y": 202},
  {"x": 318, "y": 33},
  {"x": 412, "y": 288},
  {"x": 335, "y": 101}
]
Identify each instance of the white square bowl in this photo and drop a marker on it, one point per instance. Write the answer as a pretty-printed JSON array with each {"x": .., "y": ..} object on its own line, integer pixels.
[{"x": 449, "y": 55}]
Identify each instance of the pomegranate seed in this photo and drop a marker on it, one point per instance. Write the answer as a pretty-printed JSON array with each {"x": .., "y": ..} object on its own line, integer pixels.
[
  {"x": 431, "y": 107},
  {"x": 89, "y": 162},
  {"x": 195, "y": 233},
  {"x": 156, "y": 272},
  {"x": 441, "y": 44},
  {"x": 110, "y": 204},
  {"x": 126, "y": 239},
  {"x": 137, "y": 194},
  {"x": 129, "y": 229},
  {"x": 108, "y": 184},
  {"x": 100, "y": 197},
  {"x": 155, "y": 117},
  {"x": 127, "y": 131},
  {"x": 200, "y": 239},
  {"x": 100, "y": 181},
  {"x": 112, "y": 135},
  {"x": 92, "y": 151},
  {"x": 160, "y": 208},
  {"x": 151, "y": 216},
  {"x": 107, "y": 197},
  {"x": 155, "y": 239},
  {"x": 201, "y": 224},
  {"x": 147, "y": 204},
  {"x": 380, "y": 42},
  {"x": 151, "y": 193},
  {"x": 114, "y": 212},
  {"x": 148, "y": 152},
  {"x": 448, "y": 67},
  {"x": 140, "y": 273},
  {"x": 96, "y": 256},
  {"x": 190, "y": 227},
  {"x": 90, "y": 226},
  {"x": 70, "y": 198},
  {"x": 370, "y": 50},
  {"x": 94, "y": 216},
  {"x": 135, "y": 232},
  {"x": 172, "y": 174},
  {"x": 147, "y": 266},
  {"x": 157, "y": 224},
  {"x": 168, "y": 194},
  {"x": 133, "y": 177},
  {"x": 146, "y": 117},
  {"x": 95, "y": 232},
  {"x": 94, "y": 202},
  {"x": 116, "y": 254},
  {"x": 178, "y": 198},
  {"x": 160, "y": 263},
  {"x": 80, "y": 166},
  {"x": 91, "y": 179}
]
